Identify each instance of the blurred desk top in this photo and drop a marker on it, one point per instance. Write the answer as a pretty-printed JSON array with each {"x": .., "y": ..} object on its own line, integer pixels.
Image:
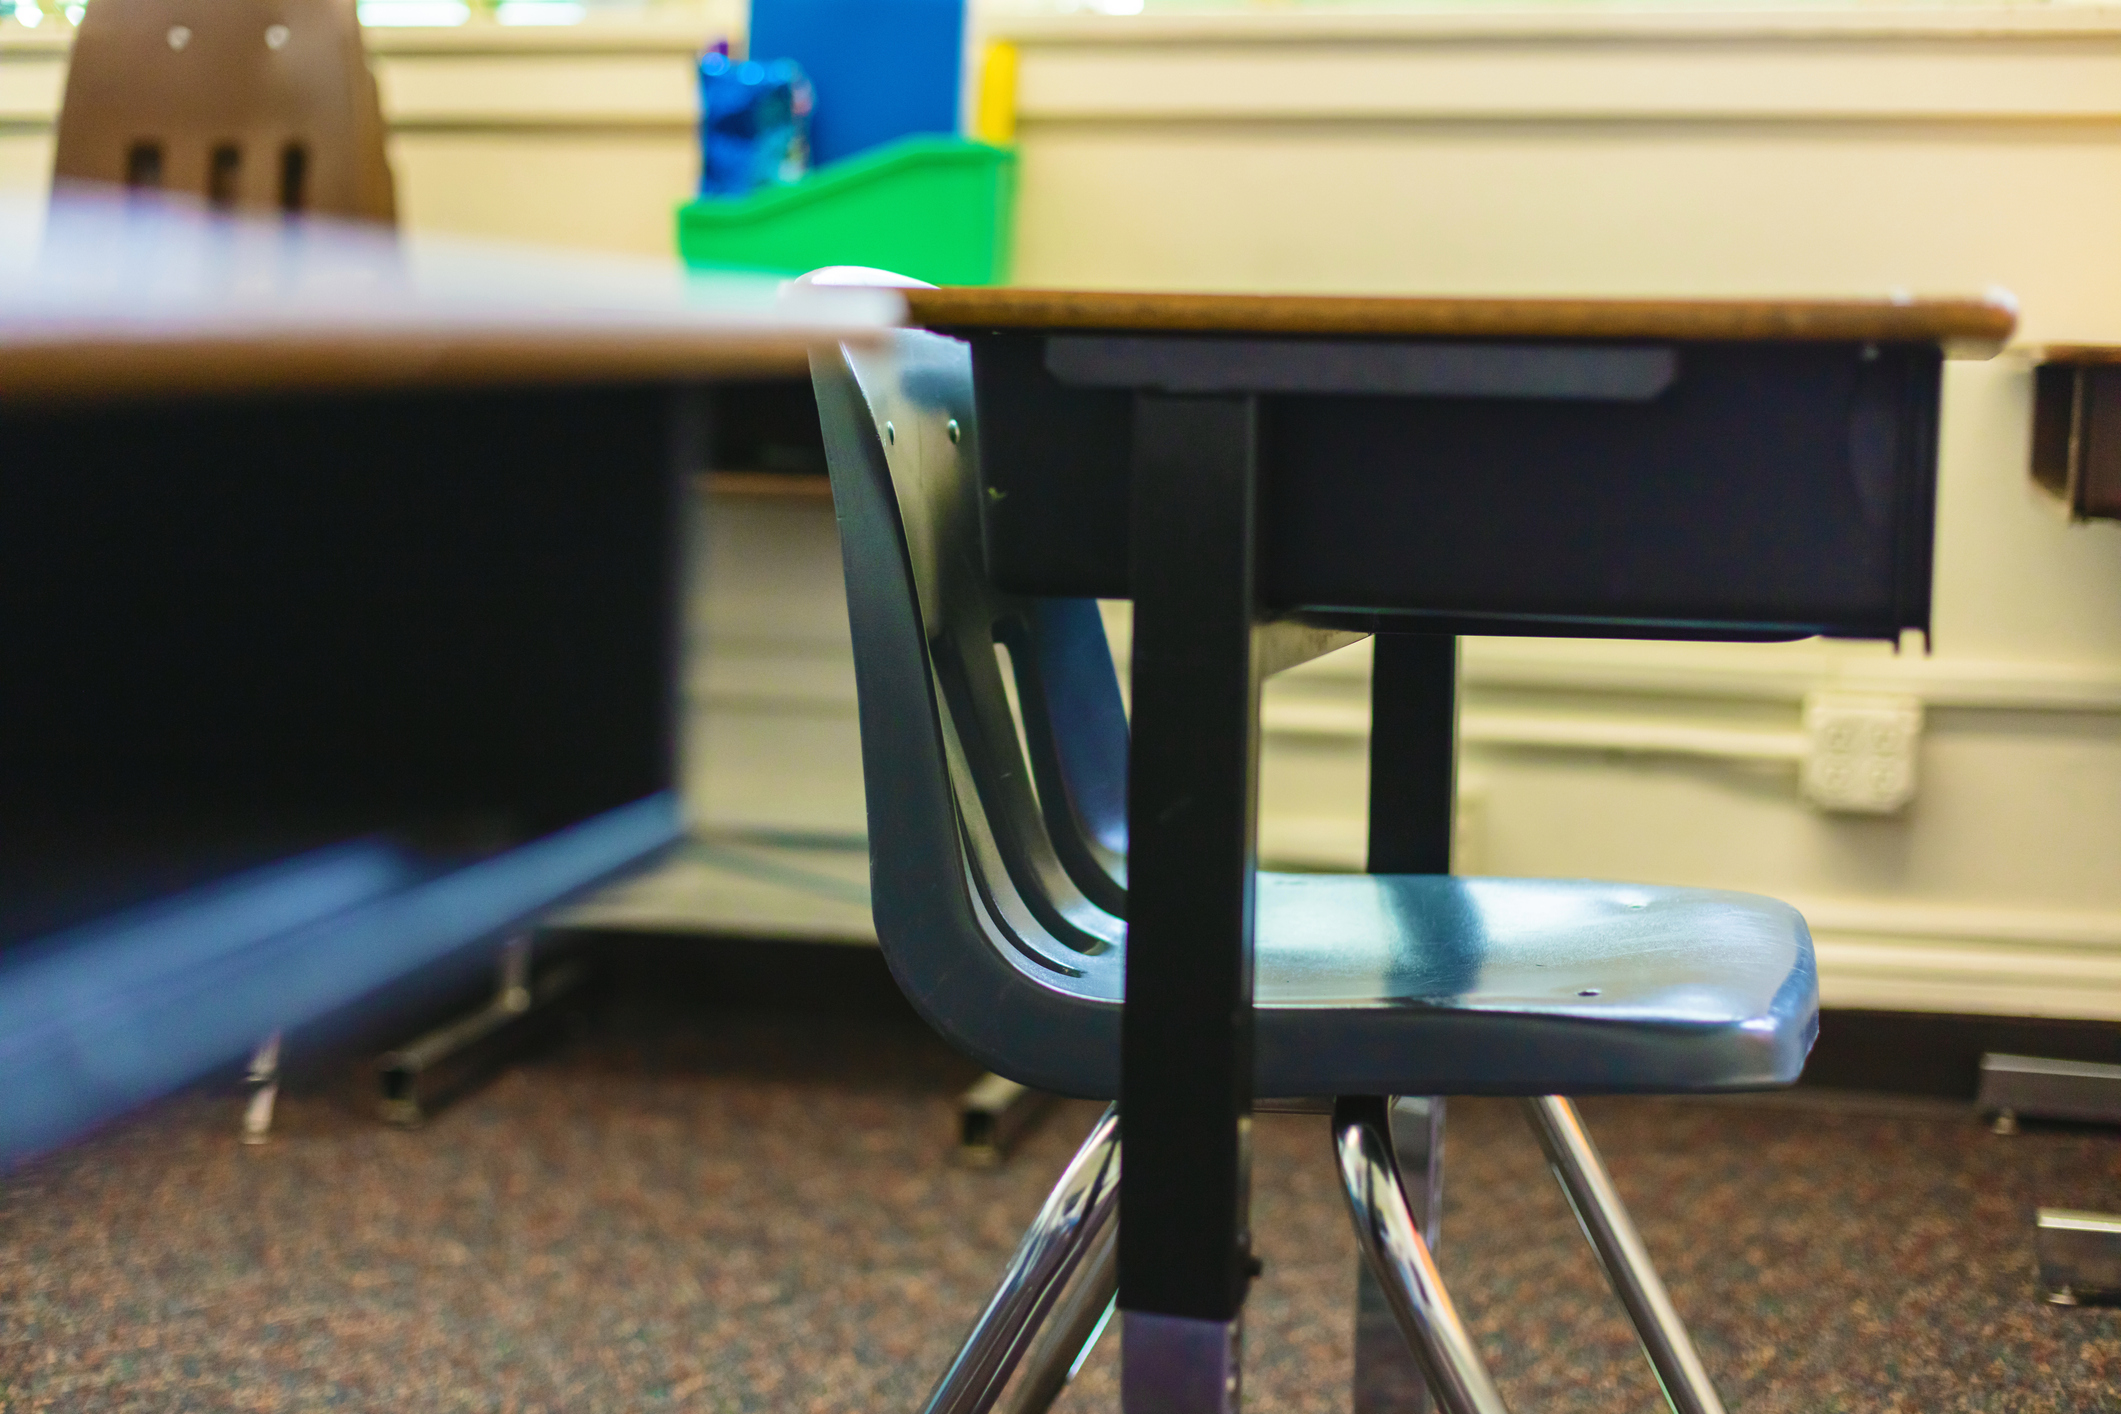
[
  {"x": 107, "y": 298},
  {"x": 342, "y": 584}
]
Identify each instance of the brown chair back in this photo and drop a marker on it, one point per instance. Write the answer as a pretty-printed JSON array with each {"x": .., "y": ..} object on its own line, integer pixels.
[{"x": 259, "y": 105}]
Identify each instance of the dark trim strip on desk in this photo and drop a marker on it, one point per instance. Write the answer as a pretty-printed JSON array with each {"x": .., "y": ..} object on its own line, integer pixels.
[
  {"x": 1580, "y": 372},
  {"x": 79, "y": 971},
  {"x": 1455, "y": 623},
  {"x": 112, "y": 1014}
]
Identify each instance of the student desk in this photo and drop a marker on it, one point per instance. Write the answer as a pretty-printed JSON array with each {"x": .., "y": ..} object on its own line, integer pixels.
[
  {"x": 1265, "y": 476},
  {"x": 2076, "y": 453},
  {"x": 337, "y": 599}
]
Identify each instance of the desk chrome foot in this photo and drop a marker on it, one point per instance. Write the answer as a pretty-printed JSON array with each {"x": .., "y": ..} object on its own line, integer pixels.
[
  {"x": 1077, "y": 1211},
  {"x": 263, "y": 1083},
  {"x": 993, "y": 1114},
  {"x": 1583, "y": 1177},
  {"x": 2015, "y": 1088},
  {"x": 1399, "y": 1259},
  {"x": 2080, "y": 1257},
  {"x": 417, "y": 1080}
]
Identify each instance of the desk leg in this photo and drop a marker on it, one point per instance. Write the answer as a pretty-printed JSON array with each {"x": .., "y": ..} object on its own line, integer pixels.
[
  {"x": 1186, "y": 1037},
  {"x": 1413, "y": 753},
  {"x": 1413, "y": 799}
]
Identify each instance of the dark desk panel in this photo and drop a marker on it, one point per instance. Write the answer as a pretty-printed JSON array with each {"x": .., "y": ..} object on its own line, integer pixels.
[
  {"x": 449, "y": 615},
  {"x": 1767, "y": 490}
]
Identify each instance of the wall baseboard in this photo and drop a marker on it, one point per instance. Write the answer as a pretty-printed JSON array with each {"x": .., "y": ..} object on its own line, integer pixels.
[{"x": 1971, "y": 960}]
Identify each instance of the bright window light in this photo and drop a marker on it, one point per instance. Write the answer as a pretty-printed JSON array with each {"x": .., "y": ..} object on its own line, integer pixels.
[
  {"x": 27, "y": 13},
  {"x": 540, "y": 12},
  {"x": 385, "y": 14}
]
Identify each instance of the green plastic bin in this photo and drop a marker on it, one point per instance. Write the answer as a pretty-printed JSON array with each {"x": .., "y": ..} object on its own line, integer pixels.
[{"x": 939, "y": 209}]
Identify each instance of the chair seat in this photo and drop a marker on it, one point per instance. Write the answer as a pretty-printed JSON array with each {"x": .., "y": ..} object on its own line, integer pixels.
[
  {"x": 1401, "y": 984},
  {"x": 1383, "y": 984}
]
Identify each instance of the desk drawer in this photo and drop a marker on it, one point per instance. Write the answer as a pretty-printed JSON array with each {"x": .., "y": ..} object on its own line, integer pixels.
[{"x": 1768, "y": 490}]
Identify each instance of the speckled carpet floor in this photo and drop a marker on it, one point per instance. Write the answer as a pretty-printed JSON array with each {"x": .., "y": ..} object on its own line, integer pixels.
[{"x": 738, "y": 1212}]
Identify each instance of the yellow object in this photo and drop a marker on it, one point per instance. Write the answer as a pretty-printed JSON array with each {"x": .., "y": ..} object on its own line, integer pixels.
[{"x": 994, "y": 119}]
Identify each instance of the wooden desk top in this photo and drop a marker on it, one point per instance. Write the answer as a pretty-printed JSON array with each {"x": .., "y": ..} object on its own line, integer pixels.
[
  {"x": 2077, "y": 355},
  {"x": 102, "y": 301},
  {"x": 1966, "y": 327}
]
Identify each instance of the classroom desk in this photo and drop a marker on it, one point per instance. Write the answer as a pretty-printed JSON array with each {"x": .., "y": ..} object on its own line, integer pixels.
[
  {"x": 1265, "y": 475},
  {"x": 338, "y": 602},
  {"x": 2076, "y": 452}
]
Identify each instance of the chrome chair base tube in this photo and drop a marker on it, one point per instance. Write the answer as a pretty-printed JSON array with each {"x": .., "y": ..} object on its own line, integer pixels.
[
  {"x": 1612, "y": 1233},
  {"x": 1078, "y": 1209},
  {"x": 1071, "y": 1329},
  {"x": 1399, "y": 1259},
  {"x": 1388, "y": 1379}
]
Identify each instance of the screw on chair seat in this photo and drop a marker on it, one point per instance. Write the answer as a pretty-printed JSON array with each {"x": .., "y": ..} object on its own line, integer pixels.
[{"x": 998, "y": 888}]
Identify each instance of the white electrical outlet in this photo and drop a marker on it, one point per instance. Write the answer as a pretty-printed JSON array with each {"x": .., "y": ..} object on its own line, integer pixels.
[{"x": 1861, "y": 751}]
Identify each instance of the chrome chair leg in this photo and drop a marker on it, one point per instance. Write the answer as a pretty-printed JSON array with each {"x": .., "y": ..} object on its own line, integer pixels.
[
  {"x": 1071, "y": 1330},
  {"x": 1388, "y": 1379},
  {"x": 1606, "y": 1223},
  {"x": 1390, "y": 1242},
  {"x": 1079, "y": 1208}
]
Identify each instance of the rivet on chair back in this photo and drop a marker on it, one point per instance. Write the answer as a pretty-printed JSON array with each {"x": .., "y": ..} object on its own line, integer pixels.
[{"x": 257, "y": 105}]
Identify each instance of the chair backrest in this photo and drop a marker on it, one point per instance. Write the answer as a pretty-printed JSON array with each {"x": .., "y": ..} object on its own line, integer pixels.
[
  {"x": 1075, "y": 728},
  {"x": 261, "y": 105},
  {"x": 996, "y": 881}
]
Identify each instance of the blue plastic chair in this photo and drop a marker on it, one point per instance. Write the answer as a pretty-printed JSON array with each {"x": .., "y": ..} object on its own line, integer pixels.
[{"x": 998, "y": 872}]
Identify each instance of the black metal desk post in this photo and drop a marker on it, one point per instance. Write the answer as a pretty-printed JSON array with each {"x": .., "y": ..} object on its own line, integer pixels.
[
  {"x": 1413, "y": 753},
  {"x": 1186, "y": 1039},
  {"x": 1413, "y": 805}
]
